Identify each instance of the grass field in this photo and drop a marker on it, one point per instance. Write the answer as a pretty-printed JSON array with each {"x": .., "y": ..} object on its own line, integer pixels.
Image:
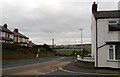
[{"x": 66, "y": 51}]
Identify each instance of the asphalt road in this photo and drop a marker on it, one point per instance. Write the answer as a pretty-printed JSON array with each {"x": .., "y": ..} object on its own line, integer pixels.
[
  {"x": 27, "y": 62},
  {"x": 44, "y": 67},
  {"x": 35, "y": 67}
]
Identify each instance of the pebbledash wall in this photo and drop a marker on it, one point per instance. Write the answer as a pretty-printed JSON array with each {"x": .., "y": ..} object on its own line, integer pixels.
[
  {"x": 104, "y": 35},
  {"x": 103, "y": 57}
]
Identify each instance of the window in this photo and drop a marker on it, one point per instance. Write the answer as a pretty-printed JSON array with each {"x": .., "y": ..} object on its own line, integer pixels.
[
  {"x": 118, "y": 21},
  {"x": 113, "y": 21},
  {"x": 18, "y": 39},
  {"x": 3, "y": 34},
  {"x": 7, "y": 35},
  {"x": 15, "y": 39},
  {"x": 11, "y": 36},
  {"x": 111, "y": 52},
  {"x": 25, "y": 44},
  {"x": 25, "y": 40},
  {"x": 21, "y": 39},
  {"x": 117, "y": 52},
  {"x": 114, "y": 25},
  {"x": 114, "y": 52}
]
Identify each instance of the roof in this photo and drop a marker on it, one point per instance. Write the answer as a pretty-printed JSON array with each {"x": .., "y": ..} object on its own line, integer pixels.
[
  {"x": 31, "y": 43},
  {"x": 107, "y": 14},
  {"x": 113, "y": 42},
  {"x": 3, "y": 29},
  {"x": 19, "y": 34}
]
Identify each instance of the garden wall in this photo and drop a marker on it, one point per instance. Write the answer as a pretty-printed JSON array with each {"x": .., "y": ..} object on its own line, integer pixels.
[{"x": 12, "y": 56}]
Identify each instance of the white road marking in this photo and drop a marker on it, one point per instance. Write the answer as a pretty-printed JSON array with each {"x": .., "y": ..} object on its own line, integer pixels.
[
  {"x": 61, "y": 58},
  {"x": 50, "y": 71}
]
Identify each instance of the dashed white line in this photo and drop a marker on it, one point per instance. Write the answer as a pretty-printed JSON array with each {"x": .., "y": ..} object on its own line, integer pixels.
[{"x": 50, "y": 72}]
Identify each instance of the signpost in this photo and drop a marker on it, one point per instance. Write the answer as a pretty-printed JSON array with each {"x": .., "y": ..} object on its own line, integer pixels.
[{"x": 37, "y": 52}]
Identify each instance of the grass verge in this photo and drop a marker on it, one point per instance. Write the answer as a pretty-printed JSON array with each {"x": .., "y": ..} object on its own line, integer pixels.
[
  {"x": 67, "y": 51},
  {"x": 24, "y": 58}
]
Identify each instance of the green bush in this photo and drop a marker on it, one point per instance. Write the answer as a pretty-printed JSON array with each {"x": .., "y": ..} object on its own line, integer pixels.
[
  {"x": 43, "y": 50},
  {"x": 10, "y": 46}
]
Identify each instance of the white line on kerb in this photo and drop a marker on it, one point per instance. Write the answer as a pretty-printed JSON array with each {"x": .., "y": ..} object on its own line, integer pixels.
[{"x": 29, "y": 64}]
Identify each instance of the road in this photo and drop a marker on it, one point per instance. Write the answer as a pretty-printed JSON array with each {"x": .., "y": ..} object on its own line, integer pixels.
[{"x": 44, "y": 67}]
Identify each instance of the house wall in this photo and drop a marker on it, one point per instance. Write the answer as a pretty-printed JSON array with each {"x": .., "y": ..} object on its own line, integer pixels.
[
  {"x": 104, "y": 35},
  {"x": 6, "y": 37},
  {"x": 93, "y": 35}
]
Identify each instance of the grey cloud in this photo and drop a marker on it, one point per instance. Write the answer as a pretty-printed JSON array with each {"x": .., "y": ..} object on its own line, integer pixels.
[{"x": 43, "y": 22}]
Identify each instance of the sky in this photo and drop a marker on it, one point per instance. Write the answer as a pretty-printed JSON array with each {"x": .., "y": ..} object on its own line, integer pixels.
[{"x": 44, "y": 20}]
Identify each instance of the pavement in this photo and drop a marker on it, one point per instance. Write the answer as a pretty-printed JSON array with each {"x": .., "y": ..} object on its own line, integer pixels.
[{"x": 73, "y": 67}]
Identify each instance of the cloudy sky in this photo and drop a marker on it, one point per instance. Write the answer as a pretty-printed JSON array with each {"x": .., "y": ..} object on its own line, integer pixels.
[{"x": 42, "y": 20}]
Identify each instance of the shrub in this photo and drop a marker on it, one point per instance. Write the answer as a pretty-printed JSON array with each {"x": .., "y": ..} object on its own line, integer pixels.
[
  {"x": 25, "y": 51},
  {"x": 10, "y": 46}
]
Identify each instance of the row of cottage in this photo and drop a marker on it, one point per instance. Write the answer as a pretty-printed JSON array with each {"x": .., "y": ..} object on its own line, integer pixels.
[{"x": 15, "y": 36}]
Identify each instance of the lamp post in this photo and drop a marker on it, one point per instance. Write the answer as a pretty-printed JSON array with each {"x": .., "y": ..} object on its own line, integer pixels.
[{"x": 81, "y": 39}]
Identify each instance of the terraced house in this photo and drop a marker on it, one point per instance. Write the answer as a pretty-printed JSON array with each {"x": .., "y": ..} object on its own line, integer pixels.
[
  {"x": 6, "y": 35},
  {"x": 20, "y": 38}
]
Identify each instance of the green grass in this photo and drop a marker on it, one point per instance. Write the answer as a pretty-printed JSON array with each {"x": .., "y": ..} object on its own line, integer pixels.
[
  {"x": 66, "y": 51},
  {"x": 24, "y": 58}
]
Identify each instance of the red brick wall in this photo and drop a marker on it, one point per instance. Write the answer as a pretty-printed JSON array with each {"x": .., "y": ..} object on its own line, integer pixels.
[{"x": 12, "y": 56}]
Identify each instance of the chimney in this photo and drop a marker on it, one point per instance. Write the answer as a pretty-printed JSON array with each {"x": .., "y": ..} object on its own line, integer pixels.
[
  {"x": 16, "y": 30},
  {"x": 5, "y": 25},
  {"x": 94, "y": 7}
]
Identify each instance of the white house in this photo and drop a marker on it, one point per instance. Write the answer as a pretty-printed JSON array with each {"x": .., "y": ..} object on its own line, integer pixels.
[{"x": 106, "y": 37}]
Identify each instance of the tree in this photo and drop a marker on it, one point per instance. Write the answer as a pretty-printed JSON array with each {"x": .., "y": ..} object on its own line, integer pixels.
[{"x": 46, "y": 47}]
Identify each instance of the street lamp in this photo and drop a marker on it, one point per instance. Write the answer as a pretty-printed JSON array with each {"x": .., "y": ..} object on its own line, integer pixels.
[{"x": 81, "y": 38}]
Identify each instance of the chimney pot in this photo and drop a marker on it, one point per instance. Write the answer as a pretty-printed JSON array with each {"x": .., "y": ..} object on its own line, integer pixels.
[
  {"x": 16, "y": 30},
  {"x": 94, "y": 7},
  {"x": 5, "y": 25}
]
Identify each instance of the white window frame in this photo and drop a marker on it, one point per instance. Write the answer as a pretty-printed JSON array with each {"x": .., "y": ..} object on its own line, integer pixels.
[
  {"x": 114, "y": 56},
  {"x": 109, "y": 52}
]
